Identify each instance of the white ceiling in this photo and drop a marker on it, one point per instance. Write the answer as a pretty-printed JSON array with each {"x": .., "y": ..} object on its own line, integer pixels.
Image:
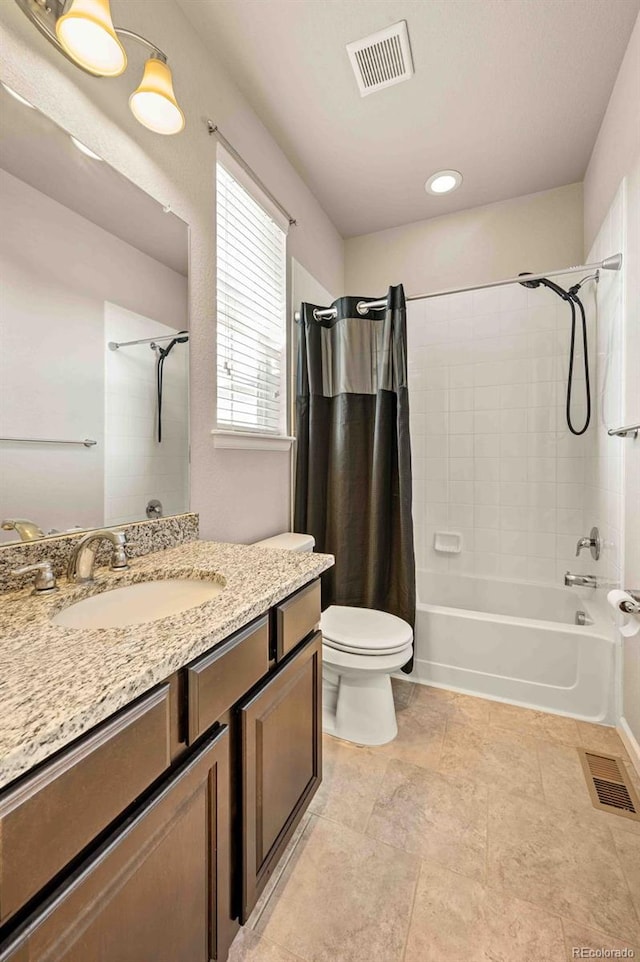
[
  {"x": 35, "y": 149},
  {"x": 509, "y": 92}
]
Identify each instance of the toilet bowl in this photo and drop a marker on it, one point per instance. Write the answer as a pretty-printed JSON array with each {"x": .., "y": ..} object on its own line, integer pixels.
[{"x": 361, "y": 648}]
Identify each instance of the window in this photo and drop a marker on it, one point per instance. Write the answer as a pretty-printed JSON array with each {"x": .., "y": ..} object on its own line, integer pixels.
[{"x": 251, "y": 298}]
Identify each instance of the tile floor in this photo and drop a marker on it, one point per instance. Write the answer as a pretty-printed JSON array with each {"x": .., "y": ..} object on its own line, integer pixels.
[{"x": 470, "y": 838}]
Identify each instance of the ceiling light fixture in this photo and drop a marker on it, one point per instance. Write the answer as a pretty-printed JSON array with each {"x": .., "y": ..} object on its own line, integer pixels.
[
  {"x": 87, "y": 34},
  {"x": 16, "y": 96},
  {"x": 84, "y": 32},
  {"x": 83, "y": 148},
  {"x": 443, "y": 182},
  {"x": 154, "y": 103}
]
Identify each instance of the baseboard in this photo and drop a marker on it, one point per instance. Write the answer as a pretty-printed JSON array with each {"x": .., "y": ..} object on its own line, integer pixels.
[{"x": 630, "y": 743}]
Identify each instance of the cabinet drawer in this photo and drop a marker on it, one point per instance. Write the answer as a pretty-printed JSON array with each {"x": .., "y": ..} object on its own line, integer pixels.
[
  {"x": 297, "y": 617},
  {"x": 49, "y": 817},
  {"x": 218, "y": 679}
]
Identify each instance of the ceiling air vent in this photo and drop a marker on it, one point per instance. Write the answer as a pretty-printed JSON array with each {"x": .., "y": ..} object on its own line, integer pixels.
[{"x": 381, "y": 59}]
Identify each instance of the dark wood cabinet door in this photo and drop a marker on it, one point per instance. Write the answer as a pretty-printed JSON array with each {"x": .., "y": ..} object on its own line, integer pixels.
[
  {"x": 149, "y": 894},
  {"x": 281, "y": 732}
]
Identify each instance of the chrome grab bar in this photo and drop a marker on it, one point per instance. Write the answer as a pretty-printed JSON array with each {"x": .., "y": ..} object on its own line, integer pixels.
[
  {"x": 630, "y": 429},
  {"x": 87, "y": 442}
]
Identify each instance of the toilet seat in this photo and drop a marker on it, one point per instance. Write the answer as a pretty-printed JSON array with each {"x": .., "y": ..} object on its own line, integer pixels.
[
  {"x": 365, "y": 664},
  {"x": 364, "y": 631}
]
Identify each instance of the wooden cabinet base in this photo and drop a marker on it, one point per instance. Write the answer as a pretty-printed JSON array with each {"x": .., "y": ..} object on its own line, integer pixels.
[
  {"x": 152, "y": 837},
  {"x": 149, "y": 893}
]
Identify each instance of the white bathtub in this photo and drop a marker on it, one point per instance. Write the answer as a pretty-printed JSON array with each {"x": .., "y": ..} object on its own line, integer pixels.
[{"x": 515, "y": 642}]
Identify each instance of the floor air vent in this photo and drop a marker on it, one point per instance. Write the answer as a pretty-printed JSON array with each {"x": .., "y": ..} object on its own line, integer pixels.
[
  {"x": 609, "y": 785},
  {"x": 382, "y": 58}
]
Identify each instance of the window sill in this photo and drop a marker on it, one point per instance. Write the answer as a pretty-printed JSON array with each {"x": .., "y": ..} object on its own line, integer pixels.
[{"x": 247, "y": 441}]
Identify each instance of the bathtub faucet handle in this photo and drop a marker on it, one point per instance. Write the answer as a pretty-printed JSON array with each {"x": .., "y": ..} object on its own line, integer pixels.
[{"x": 593, "y": 542}]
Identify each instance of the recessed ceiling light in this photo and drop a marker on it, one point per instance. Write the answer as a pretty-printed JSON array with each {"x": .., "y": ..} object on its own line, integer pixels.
[
  {"x": 16, "y": 96},
  {"x": 443, "y": 182},
  {"x": 84, "y": 149}
]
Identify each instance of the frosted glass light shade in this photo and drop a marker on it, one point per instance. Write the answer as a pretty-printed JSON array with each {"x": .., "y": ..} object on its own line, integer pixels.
[
  {"x": 154, "y": 103},
  {"x": 87, "y": 35}
]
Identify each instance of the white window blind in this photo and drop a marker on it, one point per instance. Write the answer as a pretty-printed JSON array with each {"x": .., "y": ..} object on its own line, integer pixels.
[{"x": 251, "y": 298}]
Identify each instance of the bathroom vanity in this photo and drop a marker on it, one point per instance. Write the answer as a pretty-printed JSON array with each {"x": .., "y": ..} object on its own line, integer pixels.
[{"x": 153, "y": 774}]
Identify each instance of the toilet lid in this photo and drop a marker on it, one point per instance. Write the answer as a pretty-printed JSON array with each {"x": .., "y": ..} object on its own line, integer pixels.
[{"x": 364, "y": 630}]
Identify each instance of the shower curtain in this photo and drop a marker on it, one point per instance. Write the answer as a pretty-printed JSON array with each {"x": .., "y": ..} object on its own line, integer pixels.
[{"x": 353, "y": 472}]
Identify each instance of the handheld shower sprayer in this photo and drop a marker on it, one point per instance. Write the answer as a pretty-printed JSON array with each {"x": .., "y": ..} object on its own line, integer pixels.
[
  {"x": 545, "y": 282},
  {"x": 571, "y": 296},
  {"x": 182, "y": 337}
]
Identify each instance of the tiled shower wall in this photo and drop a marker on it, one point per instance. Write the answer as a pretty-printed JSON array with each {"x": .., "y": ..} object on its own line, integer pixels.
[
  {"x": 492, "y": 457},
  {"x": 604, "y": 469}
]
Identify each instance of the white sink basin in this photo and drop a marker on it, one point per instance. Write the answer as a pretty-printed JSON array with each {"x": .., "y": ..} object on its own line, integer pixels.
[{"x": 137, "y": 604}]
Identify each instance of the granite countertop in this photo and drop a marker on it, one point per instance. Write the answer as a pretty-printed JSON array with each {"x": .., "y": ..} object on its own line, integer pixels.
[{"x": 56, "y": 683}]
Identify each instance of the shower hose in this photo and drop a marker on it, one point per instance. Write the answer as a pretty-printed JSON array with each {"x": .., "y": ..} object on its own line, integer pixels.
[
  {"x": 571, "y": 296},
  {"x": 573, "y": 299},
  {"x": 163, "y": 353}
]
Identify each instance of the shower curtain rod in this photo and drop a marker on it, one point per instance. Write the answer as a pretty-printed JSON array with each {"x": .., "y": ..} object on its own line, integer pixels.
[
  {"x": 114, "y": 345},
  {"x": 613, "y": 263}
]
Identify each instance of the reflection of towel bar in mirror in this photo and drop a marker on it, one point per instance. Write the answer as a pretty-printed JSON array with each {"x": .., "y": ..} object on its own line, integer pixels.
[
  {"x": 86, "y": 442},
  {"x": 630, "y": 429}
]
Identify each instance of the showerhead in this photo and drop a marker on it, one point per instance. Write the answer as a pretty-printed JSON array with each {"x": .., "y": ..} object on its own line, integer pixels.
[
  {"x": 182, "y": 337},
  {"x": 532, "y": 285},
  {"x": 546, "y": 283}
]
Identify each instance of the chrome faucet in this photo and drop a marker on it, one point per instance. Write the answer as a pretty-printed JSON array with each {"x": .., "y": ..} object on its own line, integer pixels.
[
  {"x": 83, "y": 558},
  {"x": 28, "y": 530}
]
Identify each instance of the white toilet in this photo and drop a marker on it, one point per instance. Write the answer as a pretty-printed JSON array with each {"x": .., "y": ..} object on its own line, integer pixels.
[{"x": 361, "y": 649}]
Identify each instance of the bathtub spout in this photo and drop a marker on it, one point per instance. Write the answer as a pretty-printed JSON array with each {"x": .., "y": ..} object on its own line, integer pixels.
[{"x": 585, "y": 581}]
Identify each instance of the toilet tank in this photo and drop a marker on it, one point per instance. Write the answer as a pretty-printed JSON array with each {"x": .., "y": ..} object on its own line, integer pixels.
[{"x": 290, "y": 541}]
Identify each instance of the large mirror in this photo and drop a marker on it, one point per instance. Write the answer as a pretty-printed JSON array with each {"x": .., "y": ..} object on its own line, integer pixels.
[{"x": 94, "y": 352}]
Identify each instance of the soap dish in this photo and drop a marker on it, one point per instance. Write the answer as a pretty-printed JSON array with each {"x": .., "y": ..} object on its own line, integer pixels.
[{"x": 448, "y": 542}]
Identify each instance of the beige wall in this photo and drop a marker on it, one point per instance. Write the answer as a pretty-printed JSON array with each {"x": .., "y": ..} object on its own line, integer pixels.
[
  {"x": 618, "y": 142},
  {"x": 241, "y": 495},
  {"x": 533, "y": 233}
]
